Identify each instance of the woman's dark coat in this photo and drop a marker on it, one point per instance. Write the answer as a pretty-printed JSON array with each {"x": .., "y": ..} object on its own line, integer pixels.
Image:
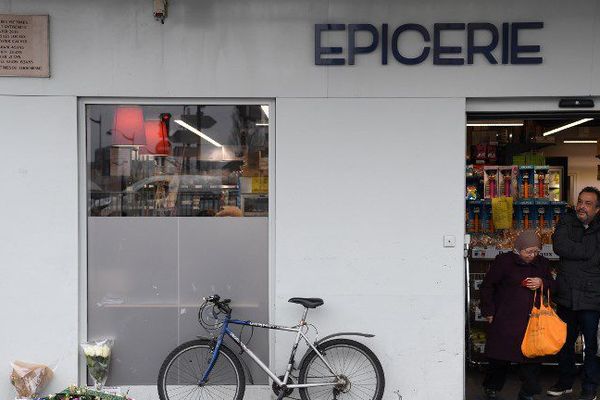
[{"x": 503, "y": 297}]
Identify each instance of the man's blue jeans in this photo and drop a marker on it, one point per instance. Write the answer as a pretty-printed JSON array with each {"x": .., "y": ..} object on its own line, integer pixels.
[{"x": 586, "y": 322}]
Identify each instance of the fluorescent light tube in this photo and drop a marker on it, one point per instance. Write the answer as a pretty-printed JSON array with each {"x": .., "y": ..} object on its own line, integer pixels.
[
  {"x": 567, "y": 126},
  {"x": 265, "y": 110},
  {"x": 580, "y": 141},
  {"x": 197, "y": 132},
  {"x": 259, "y": 124},
  {"x": 496, "y": 124}
]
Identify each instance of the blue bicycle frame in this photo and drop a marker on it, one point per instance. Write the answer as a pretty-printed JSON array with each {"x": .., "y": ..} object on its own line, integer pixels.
[{"x": 299, "y": 334}]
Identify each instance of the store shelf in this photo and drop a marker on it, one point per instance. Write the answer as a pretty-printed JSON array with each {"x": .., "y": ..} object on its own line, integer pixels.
[
  {"x": 548, "y": 252},
  {"x": 490, "y": 253}
]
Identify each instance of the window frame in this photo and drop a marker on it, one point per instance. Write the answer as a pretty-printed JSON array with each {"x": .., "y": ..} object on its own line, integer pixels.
[{"x": 82, "y": 102}]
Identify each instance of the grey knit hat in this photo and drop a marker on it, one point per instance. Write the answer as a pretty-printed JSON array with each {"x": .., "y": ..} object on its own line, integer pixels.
[{"x": 527, "y": 239}]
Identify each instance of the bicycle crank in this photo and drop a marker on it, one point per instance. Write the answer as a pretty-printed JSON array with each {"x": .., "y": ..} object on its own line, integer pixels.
[{"x": 277, "y": 389}]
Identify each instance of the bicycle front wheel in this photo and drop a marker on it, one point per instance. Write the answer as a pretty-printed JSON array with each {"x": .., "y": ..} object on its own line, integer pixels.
[
  {"x": 184, "y": 367},
  {"x": 357, "y": 371}
]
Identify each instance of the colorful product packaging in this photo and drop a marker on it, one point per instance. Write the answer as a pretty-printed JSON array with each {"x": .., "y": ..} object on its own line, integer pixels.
[
  {"x": 525, "y": 214},
  {"x": 542, "y": 182},
  {"x": 492, "y": 150},
  {"x": 557, "y": 209},
  {"x": 472, "y": 179},
  {"x": 507, "y": 181},
  {"x": 487, "y": 224},
  {"x": 480, "y": 153},
  {"x": 525, "y": 181},
  {"x": 474, "y": 214},
  {"x": 543, "y": 213},
  {"x": 490, "y": 182},
  {"x": 502, "y": 212}
]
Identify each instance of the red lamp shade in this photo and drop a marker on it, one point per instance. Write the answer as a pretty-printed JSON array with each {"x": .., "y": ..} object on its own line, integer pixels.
[
  {"x": 128, "y": 127},
  {"x": 156, "y": 138}
]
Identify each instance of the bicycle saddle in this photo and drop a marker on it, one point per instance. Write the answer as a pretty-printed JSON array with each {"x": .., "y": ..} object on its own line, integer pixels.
[{"x": 308, "y": 302}]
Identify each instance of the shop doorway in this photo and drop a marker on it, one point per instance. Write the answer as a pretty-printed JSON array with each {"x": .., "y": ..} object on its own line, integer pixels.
[{"x": 540, "y": 161}]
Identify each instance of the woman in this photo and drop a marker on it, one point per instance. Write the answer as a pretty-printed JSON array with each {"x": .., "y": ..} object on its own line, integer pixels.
[{"x": 506, "y": 301}]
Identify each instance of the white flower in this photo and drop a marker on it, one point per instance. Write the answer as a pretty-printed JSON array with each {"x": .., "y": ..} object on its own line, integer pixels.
[
  {"x": 105, "y": 351},
  {"x": 102, "y": 349},
  {"x": 88, "y": 351}
]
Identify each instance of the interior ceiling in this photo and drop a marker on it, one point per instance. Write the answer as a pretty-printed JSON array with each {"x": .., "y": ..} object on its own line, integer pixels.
[{"x": 588, "y": 130}]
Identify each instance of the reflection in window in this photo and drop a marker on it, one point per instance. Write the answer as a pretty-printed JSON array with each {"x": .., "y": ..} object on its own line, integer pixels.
[{"x": 177, "y": 160}]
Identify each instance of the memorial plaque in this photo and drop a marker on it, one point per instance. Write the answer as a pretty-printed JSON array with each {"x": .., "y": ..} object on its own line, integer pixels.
[{"x": 24, "y": 45}]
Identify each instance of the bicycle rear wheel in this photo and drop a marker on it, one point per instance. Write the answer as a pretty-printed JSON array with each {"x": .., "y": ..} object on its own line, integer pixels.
[
  {"x": 353, "y": 362},
  {"x": 184, "y": 367}
]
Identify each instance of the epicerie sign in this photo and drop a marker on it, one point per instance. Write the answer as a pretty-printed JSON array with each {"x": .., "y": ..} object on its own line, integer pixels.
[{"x": 503, "y": 40}]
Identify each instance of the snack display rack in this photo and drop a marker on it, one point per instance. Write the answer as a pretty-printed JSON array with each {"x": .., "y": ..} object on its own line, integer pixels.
[{"x": 534, "y": 193}]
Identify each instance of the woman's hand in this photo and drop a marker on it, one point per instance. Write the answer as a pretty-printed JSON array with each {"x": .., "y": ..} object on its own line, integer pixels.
[
  {"x": 534, "y": 283},
  {"x": 489, "y": 319}
]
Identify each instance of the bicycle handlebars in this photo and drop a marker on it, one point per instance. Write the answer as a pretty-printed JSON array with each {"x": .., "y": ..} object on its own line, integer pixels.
[{"x": 222, "y": 305}]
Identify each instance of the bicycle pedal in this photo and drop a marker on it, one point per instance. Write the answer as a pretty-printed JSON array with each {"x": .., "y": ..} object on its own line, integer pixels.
[{"x": 281, "y": 395}]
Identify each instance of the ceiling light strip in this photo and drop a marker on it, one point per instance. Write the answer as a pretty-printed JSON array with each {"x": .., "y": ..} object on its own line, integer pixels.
[
  {"x": 567, "y": 126},
  {"x": 580, "y": 141},
  {"x": 496, "y": 124},
  {"x": 197, "y": 132}
]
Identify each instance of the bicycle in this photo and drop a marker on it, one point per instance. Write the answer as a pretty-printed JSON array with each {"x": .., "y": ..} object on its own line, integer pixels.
[{"x": 332, "y": 368}]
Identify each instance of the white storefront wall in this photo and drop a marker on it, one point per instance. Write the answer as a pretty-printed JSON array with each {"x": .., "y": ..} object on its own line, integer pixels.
[{"x": 369, "y": 160}]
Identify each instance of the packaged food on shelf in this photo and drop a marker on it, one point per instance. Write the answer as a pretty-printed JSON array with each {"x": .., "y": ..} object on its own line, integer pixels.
[
  {"x": 487, "y": 223},
  {"x": 502, "y": 212},
  {"x": 492, "y": 153},
  {"x": 542, "y": 182},
  {"x": 525, "y": 181},
  {"x": 471, "y": 192},
  {"x": 474, "y": 212},
  {"x": 543, "y": 213},
  {"x": 558, "y": 208},
  {"x": 480, "y": 152},
  {"x": 508, "y": 180},
  {"x": 482, "y": 241},
  {"x": 476, "y": 310},
  {"x": 478, "y": 338},
  {"x": 507, "y": 239},
  {"x": 490, "y": 182},
  {"x": 525, "y": 214}
]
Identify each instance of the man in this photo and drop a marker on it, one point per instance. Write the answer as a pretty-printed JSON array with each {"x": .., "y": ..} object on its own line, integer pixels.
[{"x": 576, "y": 242}]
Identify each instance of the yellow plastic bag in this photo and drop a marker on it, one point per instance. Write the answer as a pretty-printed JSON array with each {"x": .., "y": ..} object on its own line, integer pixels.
[
  {"x": 546, "y": 332},
  {"x": 502, "y": 212}
]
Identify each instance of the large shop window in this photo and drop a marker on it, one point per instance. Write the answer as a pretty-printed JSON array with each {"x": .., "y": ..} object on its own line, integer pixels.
[
  {"x": 178, "y": 160},
  {"x": 177, "y": 200}
]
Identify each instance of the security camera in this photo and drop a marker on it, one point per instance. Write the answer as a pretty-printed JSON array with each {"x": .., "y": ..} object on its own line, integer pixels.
[{"x": 160, "y": 10}]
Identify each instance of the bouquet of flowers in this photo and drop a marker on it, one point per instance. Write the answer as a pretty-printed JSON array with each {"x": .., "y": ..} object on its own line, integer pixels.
[
  {"x": 28, "y": 379},
  {"x": 97, "y": 357},
  {"x": 81, "y": 393}
]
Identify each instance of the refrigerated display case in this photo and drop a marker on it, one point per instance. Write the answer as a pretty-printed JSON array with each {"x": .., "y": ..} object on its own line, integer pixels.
[{"x": 556, "y": 184}]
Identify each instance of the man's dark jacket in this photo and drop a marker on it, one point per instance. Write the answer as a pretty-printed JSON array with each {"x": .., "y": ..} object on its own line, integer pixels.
[{"x": 578, "y": 277}]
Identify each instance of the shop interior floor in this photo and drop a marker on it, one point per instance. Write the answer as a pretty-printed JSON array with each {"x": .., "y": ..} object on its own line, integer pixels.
[{"x": 548, "y": 377}]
